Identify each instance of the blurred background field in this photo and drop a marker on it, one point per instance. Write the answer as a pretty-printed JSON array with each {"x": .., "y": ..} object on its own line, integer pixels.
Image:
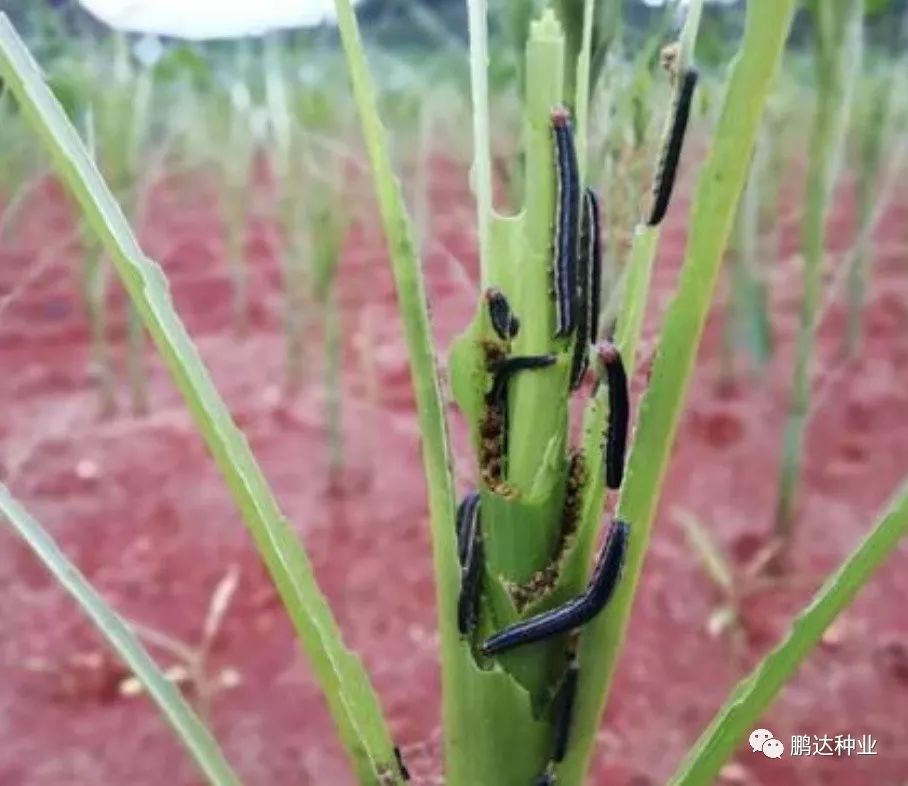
[{"x": 240, "y": 166}]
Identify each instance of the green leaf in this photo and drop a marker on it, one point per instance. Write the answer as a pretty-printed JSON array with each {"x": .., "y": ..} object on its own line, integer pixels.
[
  {"x": 351, "y": 699},
  {"x": 190, "y": 730},
  {"x": 756, "y": 691}
]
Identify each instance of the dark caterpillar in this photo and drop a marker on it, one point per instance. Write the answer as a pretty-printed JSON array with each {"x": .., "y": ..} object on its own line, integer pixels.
[
  {"x": 567, "y": 215},
  {"x": 589, "y": 270},
  {"x": 671, "y": 151},
  {"x": 575, "y": 612},
  {"x": 618, "y": 413}
]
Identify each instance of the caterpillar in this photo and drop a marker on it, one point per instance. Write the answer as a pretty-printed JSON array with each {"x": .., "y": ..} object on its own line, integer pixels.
[
  {"x": 575, "y": 612},
  {"x": 664, "y": 182},
  {"x": 589, "y": 270},
  {"x": 567, "y": 207},
  {"x": 504, "y": 322},
  {"x": 618, "y": 413},
  {"x": 469, "y": 552}
]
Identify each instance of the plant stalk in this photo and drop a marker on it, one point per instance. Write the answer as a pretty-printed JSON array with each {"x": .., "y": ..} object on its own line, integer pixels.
[{"x": 839, "y": 33}]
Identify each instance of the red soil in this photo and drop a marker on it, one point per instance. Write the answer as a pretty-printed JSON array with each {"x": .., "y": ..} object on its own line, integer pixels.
[{"x": 136, "y": 502}]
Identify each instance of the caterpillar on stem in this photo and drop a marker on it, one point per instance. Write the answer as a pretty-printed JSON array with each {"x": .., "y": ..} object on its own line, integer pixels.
[
  {"x": 470, "y": 554},
  {"x": 664, "y": 182},
  {"x": 575, "y": 612},
  {"x": 589, "y": 270},
  {"x": 618, "y": 413},
  {"x": 567, "y": 215},
  {"x": 504, "y": 321}
]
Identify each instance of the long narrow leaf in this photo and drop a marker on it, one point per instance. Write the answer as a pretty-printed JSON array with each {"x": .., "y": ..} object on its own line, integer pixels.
[
  {"x": 465, "y": 688},
  {"x": 350, "y": 696},
  {"x": 190, "y": 730},
  {"x": 482, "y": 156},
  {"x": 756, "y": 691}
]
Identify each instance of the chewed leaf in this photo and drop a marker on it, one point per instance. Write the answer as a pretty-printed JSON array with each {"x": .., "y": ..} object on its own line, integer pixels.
[{"x": 466, "y": 364}]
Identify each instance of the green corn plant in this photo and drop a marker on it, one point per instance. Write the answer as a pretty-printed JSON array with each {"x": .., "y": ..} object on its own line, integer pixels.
[
  {"x": 778, "y": 140},
  {"x": 296, "y": 294},
  {"x": 871, "y": 127},
  {"x": 139, "y": 109},
  {"x": 240, "y": 149},
  {"x": 496, "y": 727},
  {"x": 121, "y": 112},
  {"x": 327, "y": 230},
  {"x": 326, "y": 222},
  {"x": 94, "y": 297},
  {"x": 239, "y": 111},
  {"x": 537, "y": 468},
  {"x": 838, "y": 45},
  {"x": 314, "y": 227},
  {"x": 289, "y": 163},
  {"x": 747, "y": 317}
]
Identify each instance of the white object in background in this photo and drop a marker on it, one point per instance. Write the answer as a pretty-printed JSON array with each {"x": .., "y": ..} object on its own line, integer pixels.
[{"x": 200, "y": 19}]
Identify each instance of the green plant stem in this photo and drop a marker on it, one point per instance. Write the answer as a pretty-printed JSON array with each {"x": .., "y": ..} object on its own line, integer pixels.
[
  {"x": 138, "y": 109},
  {"x": 95, "y": 298},
  {"x": 187, "y": 726},
  {"x": 747, "y": 320},
  {"x": 756, "y": 692},
  {"x": 872, "y": 133},
  {"x": 295, "y": 317},
  {"x": 719, "y": 186},
  {"x": 135, "y": 360},
  {"x": 482, "y": 155},
  {"x": 297, "y": 283},
  {"x": 238, "y": 177},
  {"x": 839, "y": 37},
  {"x": 582, "y": 96},
  {"x": 350, "y": 697},
  {"x": 235, "y": 215},
  {"x": 333, "y": 392},
  {"x": 458, "y": 683}
]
